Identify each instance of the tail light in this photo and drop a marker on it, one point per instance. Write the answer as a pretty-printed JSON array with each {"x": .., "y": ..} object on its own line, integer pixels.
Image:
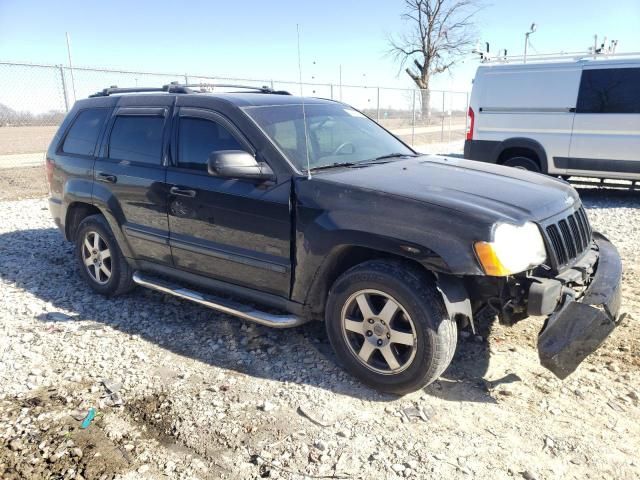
[
  {"x": 48, "y": 170},
  {"x": 471, "y": 122}
]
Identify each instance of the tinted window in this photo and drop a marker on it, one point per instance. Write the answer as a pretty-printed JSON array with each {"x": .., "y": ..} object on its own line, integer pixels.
[
  {"x": 83, "y": 135},
  {"x": 137, "y": 139},
  {"x": 615, "y": 90},
  {"x": 197, "y": 138}
]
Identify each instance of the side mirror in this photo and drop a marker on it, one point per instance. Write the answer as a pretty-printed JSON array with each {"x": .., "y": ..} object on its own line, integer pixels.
[{"x": 238, "y": 164}]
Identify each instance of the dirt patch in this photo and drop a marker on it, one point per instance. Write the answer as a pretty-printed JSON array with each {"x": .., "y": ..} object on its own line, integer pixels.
[
  {"x": 25, "y": 139},
  {"x": 22, "y": 183},
  {"x": 47, "y": 441}
]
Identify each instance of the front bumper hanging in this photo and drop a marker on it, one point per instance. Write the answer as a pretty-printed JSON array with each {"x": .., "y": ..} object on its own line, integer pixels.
[{"x": 578, "y": 328}]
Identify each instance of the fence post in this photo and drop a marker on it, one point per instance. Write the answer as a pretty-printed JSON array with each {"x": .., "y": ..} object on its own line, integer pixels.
[
  {"x": 413, "y": 119},
  {"x": 466, "y": 116},
  {"x": 442, "y": 121},
  {"x": 272, "y": 85},
  {"x": 378, "y": 107},
  {"x": 64, "y": 89},
  {"x": 186, "y": 79},
  {"x": 331, "y": 85},
  {"x": 449, "y": 115}
]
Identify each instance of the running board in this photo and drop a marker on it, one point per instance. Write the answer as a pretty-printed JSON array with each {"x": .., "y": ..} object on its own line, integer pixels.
[{"x": 243, "y": 311}]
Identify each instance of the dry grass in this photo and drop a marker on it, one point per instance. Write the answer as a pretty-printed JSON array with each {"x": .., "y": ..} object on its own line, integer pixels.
[{"x": 25, "y": 139}]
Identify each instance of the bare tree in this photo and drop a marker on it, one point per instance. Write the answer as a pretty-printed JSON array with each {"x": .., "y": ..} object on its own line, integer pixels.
[{"x": 441, "y": 32}]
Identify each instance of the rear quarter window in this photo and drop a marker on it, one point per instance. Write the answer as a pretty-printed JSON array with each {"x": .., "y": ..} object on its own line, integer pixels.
[
  {"x": 137, "y": 139},
  {"x": 84, "y": 132},
  {"x": 611, "y": 90}
]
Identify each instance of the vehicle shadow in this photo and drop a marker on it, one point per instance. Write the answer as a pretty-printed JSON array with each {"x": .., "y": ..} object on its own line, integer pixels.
[{"x": 42, "y": 263}]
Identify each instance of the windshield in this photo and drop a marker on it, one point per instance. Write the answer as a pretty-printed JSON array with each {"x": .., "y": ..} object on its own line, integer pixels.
[{"x": 337, "y": 134}]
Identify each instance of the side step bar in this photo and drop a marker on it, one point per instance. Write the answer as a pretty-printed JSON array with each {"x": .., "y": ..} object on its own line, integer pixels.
[{"x": 224, "y": 306}]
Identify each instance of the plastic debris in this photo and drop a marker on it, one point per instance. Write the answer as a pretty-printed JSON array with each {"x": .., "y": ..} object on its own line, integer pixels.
[{"x": 88, "y": 418}]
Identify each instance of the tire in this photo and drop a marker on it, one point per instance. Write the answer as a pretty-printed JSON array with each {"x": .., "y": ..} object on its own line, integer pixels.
[
  {"x": 523, "y": 163},
  {"x": 97, "y": 257},
  {"x": 420, "y": 314}
]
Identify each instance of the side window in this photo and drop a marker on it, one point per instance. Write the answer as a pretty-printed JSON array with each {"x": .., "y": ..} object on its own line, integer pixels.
[
  {"x": 198, "y": 137},
  {"x": 83, "y": 135},
  {"x": 613, "y": 90},
  {"x": 137, "y": 138}
]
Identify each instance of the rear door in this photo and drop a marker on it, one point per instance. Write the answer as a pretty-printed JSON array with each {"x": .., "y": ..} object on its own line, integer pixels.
[
  {"x": 235, "y": 230},
  {"x": 130, "y": 179},
  {"x": 534, "y": 102},
  {"x": 606, "y": 130}
]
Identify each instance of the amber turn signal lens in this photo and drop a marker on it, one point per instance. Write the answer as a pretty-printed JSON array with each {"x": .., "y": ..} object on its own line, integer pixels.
[{"x": 489, "y": 260}]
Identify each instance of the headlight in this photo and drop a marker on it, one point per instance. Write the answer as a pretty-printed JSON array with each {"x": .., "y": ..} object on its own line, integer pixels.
[{"x": 514, "y": 249}]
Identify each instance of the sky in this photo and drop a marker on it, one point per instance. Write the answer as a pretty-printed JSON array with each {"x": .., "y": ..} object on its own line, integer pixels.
[{"x": 257, "y": 39}]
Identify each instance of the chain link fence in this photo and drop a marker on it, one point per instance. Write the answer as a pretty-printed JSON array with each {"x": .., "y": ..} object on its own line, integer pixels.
[{"x": 34, "y": 99}]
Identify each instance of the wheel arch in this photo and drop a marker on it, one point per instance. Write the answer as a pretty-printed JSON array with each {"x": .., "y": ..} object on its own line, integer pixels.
[
  {"x": 343, "y": 257},
  {"x": 77, "y": 211},
  {"x": 522, "y": 146}
]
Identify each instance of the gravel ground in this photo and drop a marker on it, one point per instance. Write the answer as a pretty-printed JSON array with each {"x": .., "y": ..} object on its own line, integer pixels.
[{"x": 179, "y": 391}]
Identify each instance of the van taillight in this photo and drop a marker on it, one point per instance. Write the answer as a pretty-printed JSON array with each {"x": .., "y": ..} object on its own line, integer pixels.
[{"x": 471, "y": 121}]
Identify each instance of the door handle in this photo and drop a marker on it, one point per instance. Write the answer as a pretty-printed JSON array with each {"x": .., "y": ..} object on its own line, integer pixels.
[
  {"x": 107, "y": 177},
  {"x": 181, "y": 192}
]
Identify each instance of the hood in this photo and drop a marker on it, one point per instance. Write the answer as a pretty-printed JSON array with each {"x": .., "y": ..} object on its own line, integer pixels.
[{"x": 467, "y": 186}]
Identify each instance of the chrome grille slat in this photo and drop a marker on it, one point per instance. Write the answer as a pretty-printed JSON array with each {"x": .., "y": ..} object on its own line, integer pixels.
[
  {"x": 567, "y": 238},
  {"x": 576, "y": 233},
  {"x": 584, "y": 229}
]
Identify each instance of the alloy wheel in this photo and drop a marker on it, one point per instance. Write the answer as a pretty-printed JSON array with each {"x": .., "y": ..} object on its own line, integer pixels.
[
  {"x": 96, "y": 257},
  {"x": 379, "y": 332}
]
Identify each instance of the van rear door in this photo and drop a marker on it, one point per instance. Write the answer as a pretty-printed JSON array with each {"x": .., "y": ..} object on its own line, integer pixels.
[{"x": 605, "y": 141}]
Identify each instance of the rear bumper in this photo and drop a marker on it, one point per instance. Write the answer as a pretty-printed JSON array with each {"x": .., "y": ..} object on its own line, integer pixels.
[
  {"x": 578, "y": 327},
  {"x": 481, "y": 150},
  {"x": 55, "y": 208}
]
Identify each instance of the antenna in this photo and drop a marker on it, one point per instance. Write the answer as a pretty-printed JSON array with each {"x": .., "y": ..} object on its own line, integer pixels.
[
  {"x": 73, "y": 82},
  {"x": 304, "y": 112}
]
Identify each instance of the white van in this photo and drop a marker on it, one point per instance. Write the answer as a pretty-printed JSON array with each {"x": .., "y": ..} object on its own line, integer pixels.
[{"x": 568, "y": 118}]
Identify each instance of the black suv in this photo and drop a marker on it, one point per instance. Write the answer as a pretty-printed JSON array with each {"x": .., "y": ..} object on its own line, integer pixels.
[{"x": 305, "y": 209}]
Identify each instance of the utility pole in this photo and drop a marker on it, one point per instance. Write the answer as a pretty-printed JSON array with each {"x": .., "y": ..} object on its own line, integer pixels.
[
  {"x": 526, "y": 40},
  {"x": 73, "y": 83}
]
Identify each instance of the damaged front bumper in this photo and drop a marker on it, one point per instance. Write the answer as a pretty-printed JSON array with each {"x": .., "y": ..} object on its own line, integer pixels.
[{"x": 578, "y": 327}]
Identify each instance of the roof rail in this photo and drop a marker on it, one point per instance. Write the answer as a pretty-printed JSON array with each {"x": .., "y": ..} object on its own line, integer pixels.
[
  {"x": 549, "y": 57},
  {"x": 175, "y": 87}
]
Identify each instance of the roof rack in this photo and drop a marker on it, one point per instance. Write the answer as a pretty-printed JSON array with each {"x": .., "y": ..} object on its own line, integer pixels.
[
  {"x": 552, "y": 57},
  {"x": 175, "y": 87}
]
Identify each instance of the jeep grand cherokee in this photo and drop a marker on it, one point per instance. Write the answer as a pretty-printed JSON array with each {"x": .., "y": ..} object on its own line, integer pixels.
[{"x": 305, "y": 209}]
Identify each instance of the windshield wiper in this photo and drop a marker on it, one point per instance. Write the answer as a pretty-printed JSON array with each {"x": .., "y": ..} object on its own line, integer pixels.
[
  {"x": 391, "y": 155},
  {"x": 333, "y": 165},
  {"x": 383, "y": 159},
  {"x": 374, "y": 161}
]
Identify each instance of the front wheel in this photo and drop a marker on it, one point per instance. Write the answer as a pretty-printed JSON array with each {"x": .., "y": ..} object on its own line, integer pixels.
[{"x": 389, "y": 327}]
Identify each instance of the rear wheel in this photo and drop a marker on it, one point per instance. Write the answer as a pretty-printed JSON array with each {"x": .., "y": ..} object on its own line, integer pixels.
[
  {"x": 523, "y": 163},
  {"x": 99, "y": 258},
  {"x": 389, "y": 327}
]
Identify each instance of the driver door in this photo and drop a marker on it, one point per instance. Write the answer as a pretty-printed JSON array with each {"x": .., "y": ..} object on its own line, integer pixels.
[{"x": 234, "y": 230}]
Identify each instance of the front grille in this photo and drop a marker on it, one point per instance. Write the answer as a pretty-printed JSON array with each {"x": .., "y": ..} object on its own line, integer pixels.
[{"x": 568, "y": 238}]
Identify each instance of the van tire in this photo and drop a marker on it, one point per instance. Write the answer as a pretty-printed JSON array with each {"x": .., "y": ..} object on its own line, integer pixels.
[{"x": 523, "y": 163}]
